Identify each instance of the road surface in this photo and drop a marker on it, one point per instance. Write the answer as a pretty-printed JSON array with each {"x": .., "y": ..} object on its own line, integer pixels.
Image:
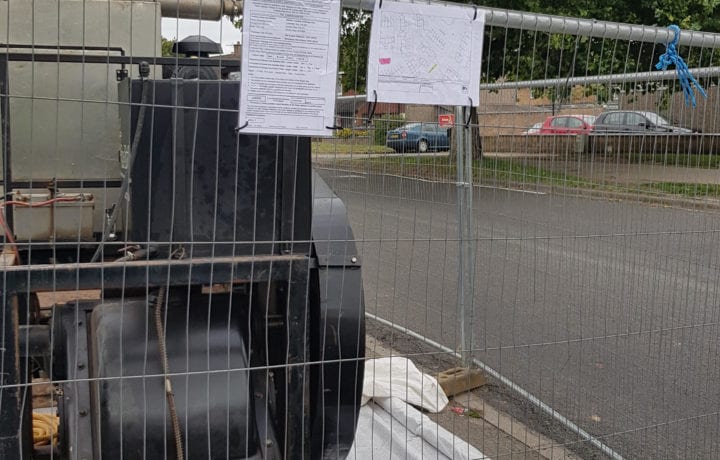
[{"x": 608, "y": 311}]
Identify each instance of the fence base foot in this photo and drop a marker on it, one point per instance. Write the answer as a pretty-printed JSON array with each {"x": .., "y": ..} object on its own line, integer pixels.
[{"x": 460, "y": 379}]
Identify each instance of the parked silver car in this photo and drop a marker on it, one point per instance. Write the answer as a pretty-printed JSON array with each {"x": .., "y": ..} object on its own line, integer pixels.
[{"x": 634, "y": 121}]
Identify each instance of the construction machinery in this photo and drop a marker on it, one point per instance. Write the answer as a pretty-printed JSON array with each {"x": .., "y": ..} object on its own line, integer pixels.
[{"x": 185, "y": 290}]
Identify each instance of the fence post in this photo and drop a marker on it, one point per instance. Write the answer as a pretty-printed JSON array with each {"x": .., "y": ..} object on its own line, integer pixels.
[{"x": 466, "y": 250}]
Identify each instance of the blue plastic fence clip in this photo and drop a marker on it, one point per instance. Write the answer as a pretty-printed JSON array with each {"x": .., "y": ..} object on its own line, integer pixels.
[{"x": 671, "y": 56}]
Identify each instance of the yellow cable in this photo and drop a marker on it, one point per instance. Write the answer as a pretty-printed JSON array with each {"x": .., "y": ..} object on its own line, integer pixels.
[{"x": 45, "y": 429}]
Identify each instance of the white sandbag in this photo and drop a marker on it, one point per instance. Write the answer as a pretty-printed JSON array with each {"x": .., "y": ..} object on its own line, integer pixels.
[{"x": 399, "y": 378}]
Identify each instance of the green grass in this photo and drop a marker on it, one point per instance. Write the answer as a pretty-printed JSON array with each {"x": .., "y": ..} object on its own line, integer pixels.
[
  {"x": 674, "y": 159},
  {"x": 345, "y": 148},
  {"x": 503, "y": 170},
  {"x": 683, "y": 189},
  {"x": 516, "y": 173}
]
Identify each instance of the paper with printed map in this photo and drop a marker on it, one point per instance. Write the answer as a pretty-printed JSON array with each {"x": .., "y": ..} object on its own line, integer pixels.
[{"x": 425, "y": 54}]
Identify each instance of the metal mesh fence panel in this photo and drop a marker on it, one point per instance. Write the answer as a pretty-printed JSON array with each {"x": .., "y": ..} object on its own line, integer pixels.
[
  {"x": 592, "y": 221},
  {"x": 534, "y": 277}
]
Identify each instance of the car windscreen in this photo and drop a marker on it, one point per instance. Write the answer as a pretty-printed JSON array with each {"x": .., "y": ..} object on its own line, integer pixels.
[
  {"x": 411, "y": 127},
  {"x": 656, "y": 119},
  {"x": 613, "y": 118}
]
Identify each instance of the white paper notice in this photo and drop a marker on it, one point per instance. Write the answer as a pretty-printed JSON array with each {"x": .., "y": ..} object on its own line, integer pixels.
[
  {"x": 425, "y": 54},
  {"x": 289, "y": 66}
]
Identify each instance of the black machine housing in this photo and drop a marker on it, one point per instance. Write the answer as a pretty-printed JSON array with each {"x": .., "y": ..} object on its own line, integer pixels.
[{"x": 248, "y": 257}]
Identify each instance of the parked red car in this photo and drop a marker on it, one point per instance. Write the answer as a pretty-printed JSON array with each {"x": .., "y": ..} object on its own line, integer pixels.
[{"x": 568, "y": 124}]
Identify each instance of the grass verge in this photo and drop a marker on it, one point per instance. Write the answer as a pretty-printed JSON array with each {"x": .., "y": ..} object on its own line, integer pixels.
[
  {"x": 513, "y": 173},
  {"x": 682, "y": 160},
  {"x": 683, "y": 189},
  {"x": 346, "y": 148}
]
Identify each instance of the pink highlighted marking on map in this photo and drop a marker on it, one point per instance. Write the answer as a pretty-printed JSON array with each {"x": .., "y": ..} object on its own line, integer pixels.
[{"x": 385, "y": 61}]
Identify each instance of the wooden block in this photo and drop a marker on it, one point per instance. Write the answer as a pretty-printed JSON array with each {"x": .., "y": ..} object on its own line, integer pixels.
[
  {"x": 49, "y": 299},
  {"x": 460, "y": 379},
  {"x": 42, "y": 393},
  {"x": 7, "y": 257}
]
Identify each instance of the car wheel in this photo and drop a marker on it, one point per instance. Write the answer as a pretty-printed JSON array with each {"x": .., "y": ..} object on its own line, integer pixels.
[{"x": 422, "y": 146}]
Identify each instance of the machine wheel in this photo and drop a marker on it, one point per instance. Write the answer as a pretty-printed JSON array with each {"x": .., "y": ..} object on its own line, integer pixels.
[{"x": 422, "y": 146}]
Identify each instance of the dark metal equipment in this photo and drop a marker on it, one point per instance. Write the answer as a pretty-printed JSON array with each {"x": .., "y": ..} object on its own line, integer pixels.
[
  {"x": 194, "y": 46},
  {"x": 229, "y": 318}
]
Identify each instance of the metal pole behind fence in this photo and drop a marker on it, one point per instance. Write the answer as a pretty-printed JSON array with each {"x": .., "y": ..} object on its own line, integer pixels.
[
  {"x": 469, "y": 244},
  {"x": 466, "y": 254}
]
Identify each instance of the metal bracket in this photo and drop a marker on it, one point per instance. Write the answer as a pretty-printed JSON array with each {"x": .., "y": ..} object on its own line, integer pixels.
[
  {"x": 121, "y": 74},
  {"x": 330, "y": 260}
]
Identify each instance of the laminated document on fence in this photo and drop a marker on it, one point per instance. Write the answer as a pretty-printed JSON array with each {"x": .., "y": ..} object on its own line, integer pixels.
[
  {"x": 289, "y": 67},
  {"x": 425, "y": 54}
]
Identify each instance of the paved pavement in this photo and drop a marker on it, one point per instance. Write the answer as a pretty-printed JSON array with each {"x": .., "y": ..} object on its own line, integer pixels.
[{"x": 606, "y": 310}]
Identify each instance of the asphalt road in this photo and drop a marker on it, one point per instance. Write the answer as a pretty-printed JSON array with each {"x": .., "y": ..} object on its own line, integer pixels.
[{"x": 608, "y": 311}]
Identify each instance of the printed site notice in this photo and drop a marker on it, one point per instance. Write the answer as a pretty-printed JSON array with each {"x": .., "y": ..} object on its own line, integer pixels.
[
  {"x": 425, "y": 54},
  {"x": 289, "y": 67}
]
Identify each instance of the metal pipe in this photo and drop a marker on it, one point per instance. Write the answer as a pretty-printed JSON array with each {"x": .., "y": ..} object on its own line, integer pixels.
[
  {"x": 459, "y": 184},
  {"x": 698, "y": 72},
  {"x": 497, "y": 17},
  {"x": 567, "y": 423},
  {"x": 34, "y": 340},
  {"x": 210, "y": 10}
]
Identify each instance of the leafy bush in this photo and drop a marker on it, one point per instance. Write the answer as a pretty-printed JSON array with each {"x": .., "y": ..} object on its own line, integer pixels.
[{"x": 349, "y": 133}]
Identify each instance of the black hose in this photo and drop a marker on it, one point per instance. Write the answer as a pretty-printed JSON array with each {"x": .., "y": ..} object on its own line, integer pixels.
[{"x": 126, "y": 180}]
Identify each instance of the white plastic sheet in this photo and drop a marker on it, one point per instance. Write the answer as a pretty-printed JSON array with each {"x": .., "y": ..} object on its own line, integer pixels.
[
  {"x": 398, "y": 377},
  {"x": 393, "y": 429},
  {"x": 389, "y": 427}
]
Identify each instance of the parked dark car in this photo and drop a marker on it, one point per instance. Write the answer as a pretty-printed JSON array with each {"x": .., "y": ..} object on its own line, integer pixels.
[
  {"x": 568, "y": 124},
  {"x": 418, "y": 137},
  {"x": 634, "y": 121}
]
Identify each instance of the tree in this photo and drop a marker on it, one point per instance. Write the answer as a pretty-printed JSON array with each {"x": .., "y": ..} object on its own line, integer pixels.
[
  {"x": 354, "y": 43},
  {"x": 516, "y": 55},
  {"x": 166, "y": 46}
]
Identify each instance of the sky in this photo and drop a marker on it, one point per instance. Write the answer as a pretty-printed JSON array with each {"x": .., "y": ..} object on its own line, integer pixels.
[{"x": 219, "y": 31}]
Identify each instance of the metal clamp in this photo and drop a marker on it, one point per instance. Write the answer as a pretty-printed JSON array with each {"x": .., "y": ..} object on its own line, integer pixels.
[
  {"x": 239, "y": 128},
  {"x": 470, "y": 109},
  {"x": 373, "y": 105}
]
